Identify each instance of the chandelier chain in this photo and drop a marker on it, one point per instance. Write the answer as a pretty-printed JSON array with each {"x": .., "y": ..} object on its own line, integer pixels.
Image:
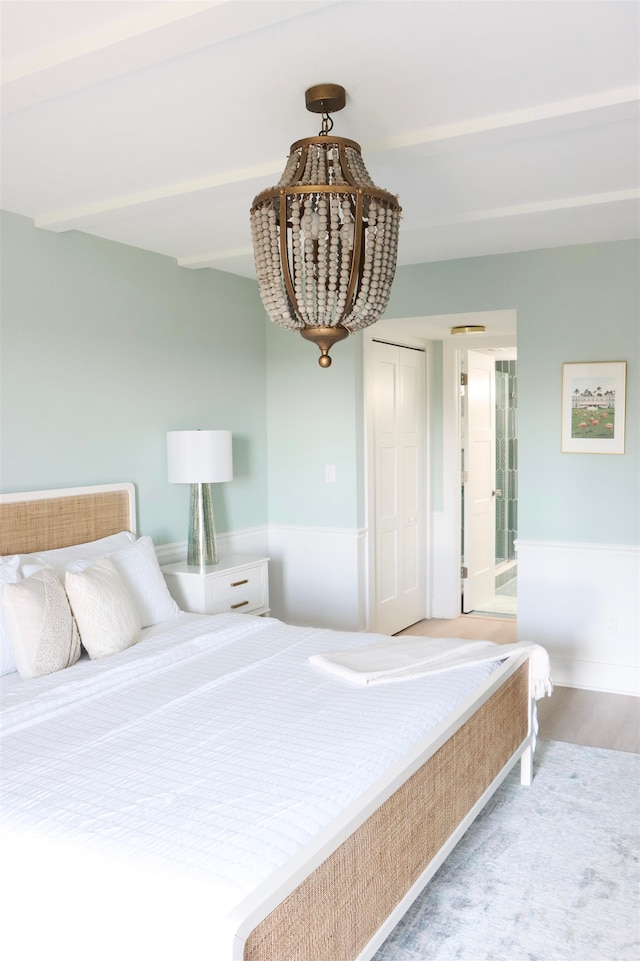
[{"x": 327, "y": 125}]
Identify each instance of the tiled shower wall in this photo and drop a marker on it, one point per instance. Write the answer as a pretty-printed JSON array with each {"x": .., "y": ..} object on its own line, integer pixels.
[{"x": 506, "y": 459}]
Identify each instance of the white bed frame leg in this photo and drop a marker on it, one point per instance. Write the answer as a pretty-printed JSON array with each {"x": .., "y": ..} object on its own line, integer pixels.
[{"x": 526, "y": 766}]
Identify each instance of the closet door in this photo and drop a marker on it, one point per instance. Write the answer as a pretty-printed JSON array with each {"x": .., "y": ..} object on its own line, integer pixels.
[{"x": 398, "y": 486}]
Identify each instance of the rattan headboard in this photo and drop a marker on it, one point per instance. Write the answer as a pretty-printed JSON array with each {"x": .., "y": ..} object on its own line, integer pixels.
[{"x": 44, "y": 520}]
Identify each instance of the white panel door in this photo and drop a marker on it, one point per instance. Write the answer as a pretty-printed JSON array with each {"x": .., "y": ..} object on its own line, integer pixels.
[
  {"x": 399, "y": 494},
  {"x": 479, "y": 493}
]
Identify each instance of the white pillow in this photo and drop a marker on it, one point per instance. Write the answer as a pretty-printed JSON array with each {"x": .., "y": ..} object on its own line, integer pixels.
[
  {"x": 103, "y": 608},
  {"x": 138, "y": 566},
  {"x": 43, "y": 633},
  {"x": 9, "y": 574},
  {"x": 62, "y": 557}
]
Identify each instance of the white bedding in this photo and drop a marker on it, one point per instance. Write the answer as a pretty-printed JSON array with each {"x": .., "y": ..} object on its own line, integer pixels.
[{"x": 203, "y": 759}]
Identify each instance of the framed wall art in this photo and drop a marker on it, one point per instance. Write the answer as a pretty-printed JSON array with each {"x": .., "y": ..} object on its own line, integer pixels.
[{"x": 593, "y": 407}]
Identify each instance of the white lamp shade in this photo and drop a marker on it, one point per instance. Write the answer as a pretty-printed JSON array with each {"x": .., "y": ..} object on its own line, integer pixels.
[{"x": 199, "y": 456}]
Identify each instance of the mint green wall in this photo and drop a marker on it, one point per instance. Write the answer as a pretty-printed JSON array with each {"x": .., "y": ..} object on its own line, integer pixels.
[
  {"x": 573, "y": 304},
  {"x": 106, "y": 347},
  {"x": 315, "y": 419}
]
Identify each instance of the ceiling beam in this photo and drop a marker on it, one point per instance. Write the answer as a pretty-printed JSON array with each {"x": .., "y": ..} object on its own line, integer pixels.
[
  {"x": 611, "y": 106},
  {"x": 164, "y": 31}
]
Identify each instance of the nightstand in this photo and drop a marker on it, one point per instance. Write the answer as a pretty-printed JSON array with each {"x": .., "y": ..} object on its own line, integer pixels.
[{"x": 236, "y": 584}]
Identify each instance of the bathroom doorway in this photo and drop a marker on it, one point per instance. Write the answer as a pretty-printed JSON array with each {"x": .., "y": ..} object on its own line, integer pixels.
[
  {"x": 500, "y": 581},
  {"x": 506, "y": 576}
]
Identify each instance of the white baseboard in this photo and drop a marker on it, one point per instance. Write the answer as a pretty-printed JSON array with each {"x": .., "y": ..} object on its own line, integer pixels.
[{"x": 580, "y": 601}]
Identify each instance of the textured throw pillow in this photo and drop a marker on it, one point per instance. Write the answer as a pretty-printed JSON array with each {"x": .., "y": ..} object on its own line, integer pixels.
[
  {"x": 103, "y": 608},
  {"x": 41, "y": 628},
  {"x": 138, "y": 566},
  {"x": 9, "y": 574}
]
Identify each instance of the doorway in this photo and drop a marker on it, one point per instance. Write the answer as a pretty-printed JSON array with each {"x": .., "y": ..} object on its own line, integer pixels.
[
  {"x": 442, "y": 527},
  {"x": 507, "y": 482},
  {"x": 490, "y": 571}
]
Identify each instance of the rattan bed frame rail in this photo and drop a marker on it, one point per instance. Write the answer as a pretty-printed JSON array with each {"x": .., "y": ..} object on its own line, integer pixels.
[{"x": 334, "y": 914}]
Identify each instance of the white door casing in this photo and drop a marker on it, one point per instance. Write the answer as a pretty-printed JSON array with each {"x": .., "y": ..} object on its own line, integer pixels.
[
  {"x": 398, "y": 434},
  {"x": 479, "y": 474}
]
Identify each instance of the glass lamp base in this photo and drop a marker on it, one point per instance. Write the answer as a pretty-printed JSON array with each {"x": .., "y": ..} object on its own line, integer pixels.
[{"x": 201, "y": 544}]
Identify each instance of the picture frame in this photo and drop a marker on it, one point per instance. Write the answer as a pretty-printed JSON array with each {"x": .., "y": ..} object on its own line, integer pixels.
[{"x": 594, "y": 407}]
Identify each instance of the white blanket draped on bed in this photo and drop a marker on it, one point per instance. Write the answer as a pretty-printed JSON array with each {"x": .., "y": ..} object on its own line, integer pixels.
[{"x": 408, "y": 657}]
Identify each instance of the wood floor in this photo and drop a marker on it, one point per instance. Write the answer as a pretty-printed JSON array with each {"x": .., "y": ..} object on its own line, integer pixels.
[
  {"x": 470, "y": 627},
  {"x": 581, "y": 717}
]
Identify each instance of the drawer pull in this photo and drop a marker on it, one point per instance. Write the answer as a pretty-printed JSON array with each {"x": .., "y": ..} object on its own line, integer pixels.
[
  {"x": 241, "y": 604},
  {"x": 239, "y": 583}
]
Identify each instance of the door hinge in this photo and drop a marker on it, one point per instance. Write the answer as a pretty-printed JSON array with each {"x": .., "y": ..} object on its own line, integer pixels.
[
  {"x": 463, "y": 380},
  {"x": 463, "y": 571}
]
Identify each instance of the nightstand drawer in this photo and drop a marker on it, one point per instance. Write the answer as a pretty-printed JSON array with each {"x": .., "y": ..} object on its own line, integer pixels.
[{"x": 242, "y": 591}]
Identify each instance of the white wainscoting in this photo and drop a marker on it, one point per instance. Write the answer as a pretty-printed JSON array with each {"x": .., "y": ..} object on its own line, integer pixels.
[
  {"x": 317, "y": 577},
  {"x": 252, "y": 541},
  {"x": 443, "y": 598},
  {"x": 581, "y": 601}
]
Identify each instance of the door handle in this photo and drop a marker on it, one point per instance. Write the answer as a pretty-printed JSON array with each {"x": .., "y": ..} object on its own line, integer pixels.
[{"x": 496, "y": 493}]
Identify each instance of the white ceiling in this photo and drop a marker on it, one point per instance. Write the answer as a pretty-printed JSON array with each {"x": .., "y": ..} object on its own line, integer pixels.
[{"x": 503, "y": 126}]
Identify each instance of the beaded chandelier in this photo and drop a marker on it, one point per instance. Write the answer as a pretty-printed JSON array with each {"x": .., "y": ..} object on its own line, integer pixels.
[{"x": 325, "y": 239}]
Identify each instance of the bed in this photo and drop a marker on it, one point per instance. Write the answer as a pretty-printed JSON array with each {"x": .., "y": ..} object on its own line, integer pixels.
[{"x": 207, "y": 792}]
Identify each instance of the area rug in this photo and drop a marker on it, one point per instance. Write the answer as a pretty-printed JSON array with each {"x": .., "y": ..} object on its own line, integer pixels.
[{"x": 545, "y": 873}]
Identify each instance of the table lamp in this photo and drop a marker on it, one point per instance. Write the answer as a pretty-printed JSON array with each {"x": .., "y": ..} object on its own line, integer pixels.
[{"x": 200, "y": 458}]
